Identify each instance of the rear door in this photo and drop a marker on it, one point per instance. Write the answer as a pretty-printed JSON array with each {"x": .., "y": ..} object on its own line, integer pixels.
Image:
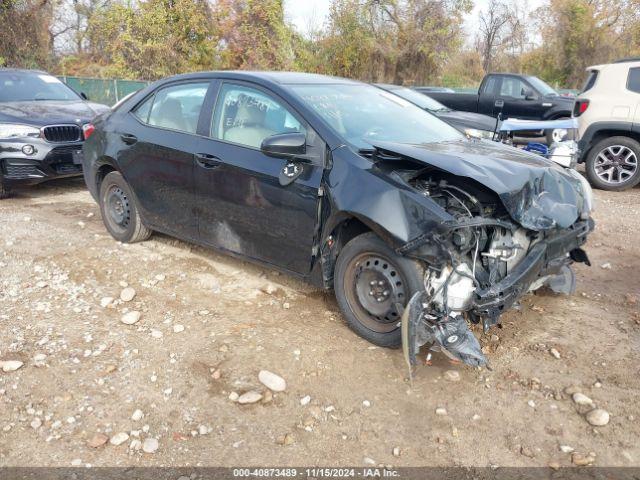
[
  {"x": 159, "y": 139},
  {"x": 633, "y": 86},
  {"x": 242, "y": 207}
]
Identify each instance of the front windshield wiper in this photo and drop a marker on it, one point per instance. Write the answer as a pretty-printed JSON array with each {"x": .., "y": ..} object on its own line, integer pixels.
[{"x": 366, "y": 152}]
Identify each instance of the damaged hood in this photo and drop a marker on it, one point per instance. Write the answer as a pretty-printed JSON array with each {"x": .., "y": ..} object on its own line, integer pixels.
[{"x": 537, "y": 193}]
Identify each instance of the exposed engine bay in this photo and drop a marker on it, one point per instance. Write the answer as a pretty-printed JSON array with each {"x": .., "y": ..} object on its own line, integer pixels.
[{"x": 474, "y": 268}]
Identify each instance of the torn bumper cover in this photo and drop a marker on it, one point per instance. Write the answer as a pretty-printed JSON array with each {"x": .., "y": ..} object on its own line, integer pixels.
[
  {"x": 430, "y": 318},
  {"x": 546, "y": 258}
]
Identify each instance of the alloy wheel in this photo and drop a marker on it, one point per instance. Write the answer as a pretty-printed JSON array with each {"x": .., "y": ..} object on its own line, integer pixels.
[{"x": 616, "y": 164}]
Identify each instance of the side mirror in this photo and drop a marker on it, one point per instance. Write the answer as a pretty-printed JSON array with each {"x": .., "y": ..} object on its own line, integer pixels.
[
  {"x": 284, "y": 145},
  {"x": 84, "y": 96},
  {"x": 529, "y": 94}
]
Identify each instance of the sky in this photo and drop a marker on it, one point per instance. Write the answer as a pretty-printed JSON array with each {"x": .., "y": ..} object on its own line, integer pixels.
[{"x": 306, "y": 13}]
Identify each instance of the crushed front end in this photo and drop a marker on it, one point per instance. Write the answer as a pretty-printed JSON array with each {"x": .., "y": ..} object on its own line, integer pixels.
[{"x": 483, "y": 261}]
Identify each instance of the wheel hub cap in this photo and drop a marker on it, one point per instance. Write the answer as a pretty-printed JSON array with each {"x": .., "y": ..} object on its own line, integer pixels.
[
  {"x": 379, "y": 288},
  {"x": 118, "y": 207}
]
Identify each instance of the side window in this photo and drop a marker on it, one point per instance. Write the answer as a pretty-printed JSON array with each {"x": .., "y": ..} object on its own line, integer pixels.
[
  {"x": 591, "y": 80},
  {"x": 177, "y": 107},
  {"x": 142, "y": 110},
  {"x": 247, "y": 116},
  {"x": 490, "y": 85},
  {"x": 633, "y": 81},
  {"x": 512, "y": 87}
]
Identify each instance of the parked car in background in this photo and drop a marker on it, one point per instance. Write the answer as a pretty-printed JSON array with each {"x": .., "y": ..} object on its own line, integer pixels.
[
  {"x": 472, "y": 124},
  {"x": 514, "y": 96},
  {"x": 346, "y": 186},
  {"x": 42, "y": 126},
  {"x": 608, "y": 111}
]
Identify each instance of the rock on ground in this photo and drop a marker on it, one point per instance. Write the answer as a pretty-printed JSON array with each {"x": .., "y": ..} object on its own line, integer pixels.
[
  {"x": 598, "y": 417},
  {"x": 272, "y": 381},
  {"x": 150, "y": 445},
  {"x": 130, "y": 318}
]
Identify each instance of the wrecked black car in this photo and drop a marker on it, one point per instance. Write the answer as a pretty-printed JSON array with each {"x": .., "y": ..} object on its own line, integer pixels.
[{"x": 418, "y": 229}]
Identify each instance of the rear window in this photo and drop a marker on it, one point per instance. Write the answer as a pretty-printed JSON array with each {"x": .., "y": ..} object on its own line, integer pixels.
[
  {"x": 591, "y": 80},
  {"x": 633, "y": 81}
]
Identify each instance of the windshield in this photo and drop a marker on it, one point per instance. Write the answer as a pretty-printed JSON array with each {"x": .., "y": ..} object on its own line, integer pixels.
[
  {"x": 26, "y": 87},
  {"x": 541, "y": 86},
  {"x": 363, "y": 114},
  {"x": 419, "y": 99}
]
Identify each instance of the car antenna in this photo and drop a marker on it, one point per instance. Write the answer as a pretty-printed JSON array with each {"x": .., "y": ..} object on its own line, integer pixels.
[{"x": 495, "y": 129}]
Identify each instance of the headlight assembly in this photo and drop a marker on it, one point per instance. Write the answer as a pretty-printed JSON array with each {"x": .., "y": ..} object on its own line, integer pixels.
[
  {"x": 587, "y": 191},
  {"x": 475, "y": 133},
  {"x": 15, "y": 130}
]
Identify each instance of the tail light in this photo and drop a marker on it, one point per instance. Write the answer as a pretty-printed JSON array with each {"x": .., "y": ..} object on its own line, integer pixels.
[
  {"x": 87, "y": 130},
  {"x": 580, "y": 107}
]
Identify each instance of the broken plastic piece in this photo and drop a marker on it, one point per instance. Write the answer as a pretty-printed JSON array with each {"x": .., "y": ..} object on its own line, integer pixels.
[
  {"x": 564, "y": 281},
  {"x": 450, "y": 333},
  {"x": 458, "y": 342}
]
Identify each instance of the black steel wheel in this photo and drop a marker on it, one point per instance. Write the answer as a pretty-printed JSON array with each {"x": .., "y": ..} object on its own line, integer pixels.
[
  {"x": 372, "y": 285},
  {"x": 119, "y": 210}
]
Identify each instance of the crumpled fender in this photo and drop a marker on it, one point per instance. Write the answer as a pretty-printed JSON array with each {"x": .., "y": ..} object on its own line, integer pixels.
[
  {"x": 392, "y": 209},
  {"x": 536, "y": 193}
]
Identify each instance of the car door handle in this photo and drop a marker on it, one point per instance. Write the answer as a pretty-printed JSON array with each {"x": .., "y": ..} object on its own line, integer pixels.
[
  {"x": 499, "y": 103},
  {"x": 207, "y": 161},
  {"x": 128, "y": 138}
]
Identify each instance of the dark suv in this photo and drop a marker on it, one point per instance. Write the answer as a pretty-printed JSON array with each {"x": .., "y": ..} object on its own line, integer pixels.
[{"x": 43, "y": 124}]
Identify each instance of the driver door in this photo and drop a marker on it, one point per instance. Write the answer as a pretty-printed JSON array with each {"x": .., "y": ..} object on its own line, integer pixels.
[
  {"x": 242, "y": 207},
  {"x": 513, "y": 92}
]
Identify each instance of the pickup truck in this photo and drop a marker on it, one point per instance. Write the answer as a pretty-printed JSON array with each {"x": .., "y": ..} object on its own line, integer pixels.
[{"x": 515, "y": 96}]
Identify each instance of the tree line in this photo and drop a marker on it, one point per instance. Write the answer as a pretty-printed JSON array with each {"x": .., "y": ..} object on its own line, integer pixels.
[{"x": 412, "y": 42}]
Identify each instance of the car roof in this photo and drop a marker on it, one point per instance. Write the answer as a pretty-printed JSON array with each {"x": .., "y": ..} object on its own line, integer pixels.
[
  {"x": 275, "y": 77},
  {"x": 623, "y": 64}
]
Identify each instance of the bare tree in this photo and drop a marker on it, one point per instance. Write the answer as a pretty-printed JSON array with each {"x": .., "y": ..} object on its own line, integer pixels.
[{"x": 493, "y": 28}]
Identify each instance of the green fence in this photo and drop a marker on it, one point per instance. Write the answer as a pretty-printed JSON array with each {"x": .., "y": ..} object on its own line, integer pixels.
[{"x": 100, "y": 90}]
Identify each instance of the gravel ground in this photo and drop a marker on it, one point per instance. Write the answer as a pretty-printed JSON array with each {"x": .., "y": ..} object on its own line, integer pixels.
[{"x": 81, "y": 387}]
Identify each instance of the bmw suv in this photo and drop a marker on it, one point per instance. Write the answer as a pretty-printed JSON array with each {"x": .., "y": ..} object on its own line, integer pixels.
[{"x": 43, "y": 124}]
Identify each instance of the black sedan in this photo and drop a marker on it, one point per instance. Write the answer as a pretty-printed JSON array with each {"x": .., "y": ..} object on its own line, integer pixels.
[
  {"x": 42, "y": 126},
  {"x": 471, "y": 124},
  {"x": 349, "y": 187}
]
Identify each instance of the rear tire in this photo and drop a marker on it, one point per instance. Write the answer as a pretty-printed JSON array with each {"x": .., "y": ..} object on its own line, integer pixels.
[
  {"x": 119, "y": 210},
  {"x": 370, "y": 281},
  {"x": 614, "y": 164}
]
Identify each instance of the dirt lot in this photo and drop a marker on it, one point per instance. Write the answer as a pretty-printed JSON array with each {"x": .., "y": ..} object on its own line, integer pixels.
[{"x": 210, "y": 323}]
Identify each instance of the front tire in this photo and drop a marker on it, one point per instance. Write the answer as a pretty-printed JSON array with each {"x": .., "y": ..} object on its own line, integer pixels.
[
  {"x": 373, "y": 285},
  {"x": 119, "y": 210},
  {"x": 4, "y": 192},
  {"x": 612, "y": 164}
]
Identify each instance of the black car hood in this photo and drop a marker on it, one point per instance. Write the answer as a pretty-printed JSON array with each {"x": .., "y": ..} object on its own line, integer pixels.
[
  {"x": 49, "y": 112},
  {"x": 462, "y": 120},
  {"x": 537, "y": 193}
]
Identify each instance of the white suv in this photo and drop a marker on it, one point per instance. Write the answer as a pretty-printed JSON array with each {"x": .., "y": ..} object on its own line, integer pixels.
[{"x": 608, "y": 111}]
